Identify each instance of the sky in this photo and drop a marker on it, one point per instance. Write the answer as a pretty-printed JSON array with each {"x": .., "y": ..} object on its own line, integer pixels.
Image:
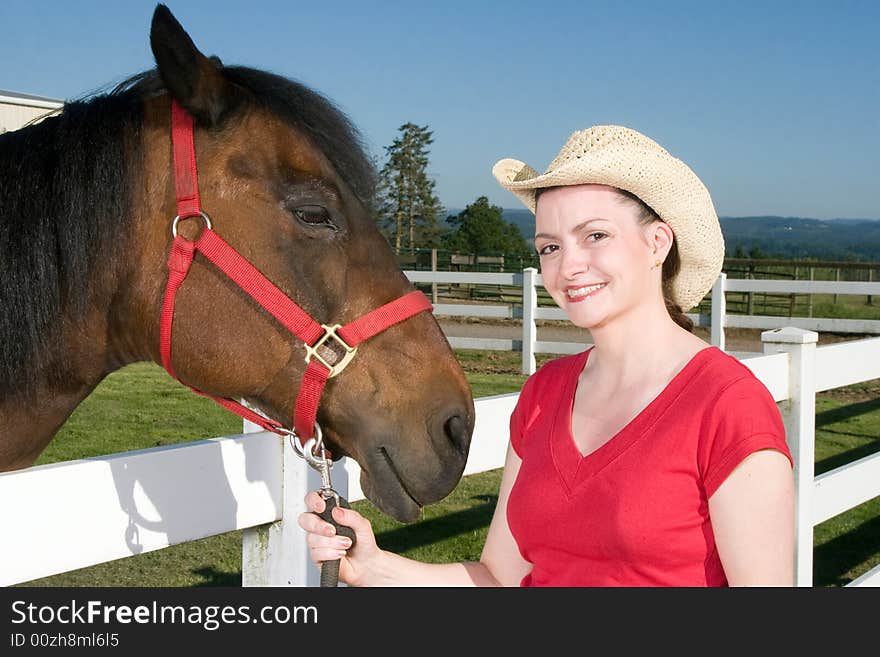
[{"x": 774, "y": 104}]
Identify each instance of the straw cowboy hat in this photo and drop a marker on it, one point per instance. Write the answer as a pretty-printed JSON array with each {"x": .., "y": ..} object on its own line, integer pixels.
[{"x": 623, "y": 158}]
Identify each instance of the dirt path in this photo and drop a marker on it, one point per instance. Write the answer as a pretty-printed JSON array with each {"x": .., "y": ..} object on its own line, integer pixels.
[{"x": 738, "y": 340}]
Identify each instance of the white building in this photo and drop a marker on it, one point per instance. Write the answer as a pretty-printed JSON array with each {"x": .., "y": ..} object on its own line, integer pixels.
[{"x": 17, "y": 110}]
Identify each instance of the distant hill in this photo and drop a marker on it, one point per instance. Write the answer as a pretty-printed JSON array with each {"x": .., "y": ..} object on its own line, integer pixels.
[
  {"x": 797, "y": 237},
  {"x": 785, "y": 237}
]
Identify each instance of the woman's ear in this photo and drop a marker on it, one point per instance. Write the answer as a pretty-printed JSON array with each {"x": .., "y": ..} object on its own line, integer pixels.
[{"x": 660, "y": 238}]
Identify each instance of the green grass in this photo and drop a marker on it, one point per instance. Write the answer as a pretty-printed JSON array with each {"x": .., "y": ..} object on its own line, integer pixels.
[
  {"x": 140, "y": 407},
  {"x": 848, "y": 545}
]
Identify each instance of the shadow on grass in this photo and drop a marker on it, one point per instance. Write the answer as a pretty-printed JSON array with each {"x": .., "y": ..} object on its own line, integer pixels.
[
  {"x": 214, "y": 577},
  {"x": 850, "y": 455},
  {"x": 844, "y": 553},
  {"x": 843, "y": 413},
  {"x": 431, "y": 531}
]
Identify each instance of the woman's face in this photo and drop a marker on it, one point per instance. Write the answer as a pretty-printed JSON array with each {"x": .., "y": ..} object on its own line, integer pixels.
[{"x": 597, "y": 259}]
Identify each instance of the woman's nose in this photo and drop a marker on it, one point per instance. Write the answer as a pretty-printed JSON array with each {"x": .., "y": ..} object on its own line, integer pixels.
[{"x": 574, "y": 263}]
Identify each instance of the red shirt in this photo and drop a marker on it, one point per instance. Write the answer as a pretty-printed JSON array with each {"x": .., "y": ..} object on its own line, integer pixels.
[{"x": 635, "y": 511}]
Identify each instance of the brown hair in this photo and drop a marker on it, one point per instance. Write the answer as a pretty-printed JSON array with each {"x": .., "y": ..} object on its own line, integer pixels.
[{"x": 671, "y": 265}]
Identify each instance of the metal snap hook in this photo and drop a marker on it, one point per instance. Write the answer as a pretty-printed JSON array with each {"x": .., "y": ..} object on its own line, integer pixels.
[{"x": 310, "y": 451}]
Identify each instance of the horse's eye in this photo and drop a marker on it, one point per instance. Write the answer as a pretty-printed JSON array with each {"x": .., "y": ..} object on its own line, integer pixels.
[{"x": 314, "y": 215}]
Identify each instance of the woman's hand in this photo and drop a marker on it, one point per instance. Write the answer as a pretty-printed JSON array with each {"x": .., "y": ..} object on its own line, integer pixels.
[{"x": 357, "y": 567}]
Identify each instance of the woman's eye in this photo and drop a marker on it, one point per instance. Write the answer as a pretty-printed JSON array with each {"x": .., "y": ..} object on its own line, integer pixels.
[
  {"x": 595, "y": 237},
  {"x": 314, "y": 215},
  {"x": 548, "y": 249}
]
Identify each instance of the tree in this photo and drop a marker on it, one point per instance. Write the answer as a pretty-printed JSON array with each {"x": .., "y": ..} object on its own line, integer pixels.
[
  {"x": 408, "y": 209},
  {"x": 480, "y": 228},
  {"x": 756, "y": 253}
]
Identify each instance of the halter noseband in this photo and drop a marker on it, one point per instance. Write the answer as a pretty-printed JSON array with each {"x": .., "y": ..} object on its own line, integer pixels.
[{"x": 329, "y": 349}]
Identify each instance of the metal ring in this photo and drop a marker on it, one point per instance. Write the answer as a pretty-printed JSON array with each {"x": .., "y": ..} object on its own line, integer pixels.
[
  {"x": 292, "y": 438},
  {"x": 177, "y": 220},
  {"x": 310, "y": 449}
]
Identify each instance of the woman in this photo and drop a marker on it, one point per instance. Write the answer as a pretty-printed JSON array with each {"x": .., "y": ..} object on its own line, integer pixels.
[{"x": 652, "y": 459}]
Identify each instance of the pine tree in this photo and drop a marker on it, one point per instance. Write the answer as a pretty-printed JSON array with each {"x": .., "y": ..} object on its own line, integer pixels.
[{"x": 408, "y": 209}]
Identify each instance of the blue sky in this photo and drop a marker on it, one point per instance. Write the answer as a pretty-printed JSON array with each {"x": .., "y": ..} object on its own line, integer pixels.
[{"x": 775, "y": 105}]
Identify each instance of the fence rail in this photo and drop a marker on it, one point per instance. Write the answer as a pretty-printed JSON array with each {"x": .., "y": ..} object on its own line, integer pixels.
[
  {"x": 717, "y": 319},
  {"x": 70, "y": 515}
]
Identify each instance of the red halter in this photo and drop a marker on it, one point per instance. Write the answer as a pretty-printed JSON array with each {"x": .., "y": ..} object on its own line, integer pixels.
[{"x": 321, "y": 366}]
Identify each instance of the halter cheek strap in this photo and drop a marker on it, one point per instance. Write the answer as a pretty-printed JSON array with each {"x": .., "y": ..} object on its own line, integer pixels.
[{"x": 329, "y": 349}]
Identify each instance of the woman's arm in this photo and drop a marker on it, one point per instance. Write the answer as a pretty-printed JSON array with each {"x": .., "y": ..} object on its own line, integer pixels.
[
  {"x": 752, "y": 516},
  {"x": 368, "y": 565}
]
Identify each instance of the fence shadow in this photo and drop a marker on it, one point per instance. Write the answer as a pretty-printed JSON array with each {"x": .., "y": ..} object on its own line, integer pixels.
[
  {"x": 843, "y": 413},
  {"x": 844, "y": 553}
]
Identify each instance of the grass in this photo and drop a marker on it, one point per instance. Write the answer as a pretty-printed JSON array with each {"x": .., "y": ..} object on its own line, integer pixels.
[{"x": 140, "y": 406}]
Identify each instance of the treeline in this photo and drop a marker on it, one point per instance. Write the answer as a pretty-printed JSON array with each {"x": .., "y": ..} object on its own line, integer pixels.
[
  {"x": 412, "y": 218},
  {"x": 798, "y": 238},
  {"x": 411, "y": 215}
]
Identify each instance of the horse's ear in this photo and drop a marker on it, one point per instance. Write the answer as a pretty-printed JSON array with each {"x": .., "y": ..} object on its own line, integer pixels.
[{"x": 196, "y": 81}]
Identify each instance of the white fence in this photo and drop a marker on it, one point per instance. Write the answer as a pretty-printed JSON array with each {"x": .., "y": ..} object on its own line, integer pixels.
[
  {"x": 716, "y": 320},
  {"x": 65, "y": 516}
]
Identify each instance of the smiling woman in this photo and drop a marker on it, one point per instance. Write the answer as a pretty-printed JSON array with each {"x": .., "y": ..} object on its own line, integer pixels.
[{"x": 668, "y": 455}]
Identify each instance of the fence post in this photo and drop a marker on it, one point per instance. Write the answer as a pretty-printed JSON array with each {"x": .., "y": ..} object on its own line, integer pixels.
[
  {"x": 810, "y": 296},
  {"x": 719, "y": 309},
  {"x": 799, "y": 415},
  {"x": 529, "y": 328},
  {"x": 434, "y": 268},
  {"x": 276, "y": 554},
  {"x": 750, "y": 274}
]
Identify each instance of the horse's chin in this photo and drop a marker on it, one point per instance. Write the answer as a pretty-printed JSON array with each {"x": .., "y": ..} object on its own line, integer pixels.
[
  {"x": 380, "y": 481},
  {"x": 383, "y": 487}
]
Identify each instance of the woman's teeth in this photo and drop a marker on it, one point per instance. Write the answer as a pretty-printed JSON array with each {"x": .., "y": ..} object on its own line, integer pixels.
[{"x": 584, "y": 291}]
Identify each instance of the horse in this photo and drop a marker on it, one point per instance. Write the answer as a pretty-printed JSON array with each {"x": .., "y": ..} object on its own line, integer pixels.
[{"x": 95, "y": 205}]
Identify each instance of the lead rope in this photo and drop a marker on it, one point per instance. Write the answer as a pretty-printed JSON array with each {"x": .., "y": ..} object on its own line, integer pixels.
[{"x": 332, "y": 499}]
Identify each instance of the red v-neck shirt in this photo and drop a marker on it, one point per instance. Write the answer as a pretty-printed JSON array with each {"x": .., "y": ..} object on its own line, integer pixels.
[{"x": 635, "y": 511}]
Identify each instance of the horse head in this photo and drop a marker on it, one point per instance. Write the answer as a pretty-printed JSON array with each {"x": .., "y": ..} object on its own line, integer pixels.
[{"x": 285, "y": 181}]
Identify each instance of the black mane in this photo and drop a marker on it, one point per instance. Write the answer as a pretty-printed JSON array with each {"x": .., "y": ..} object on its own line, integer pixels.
[{"x": 65, "y": 189}]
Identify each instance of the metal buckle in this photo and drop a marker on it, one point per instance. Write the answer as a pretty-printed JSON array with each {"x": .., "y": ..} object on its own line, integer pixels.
[{"x": 330, "y": 332}]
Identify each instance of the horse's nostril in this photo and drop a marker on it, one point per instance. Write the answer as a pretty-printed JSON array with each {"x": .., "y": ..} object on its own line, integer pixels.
[{"x": 457, "y": 431}]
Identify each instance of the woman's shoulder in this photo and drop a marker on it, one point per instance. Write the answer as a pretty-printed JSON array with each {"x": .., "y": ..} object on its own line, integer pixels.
[
  {"x": 722, "y": 367},
  {"x": 555, "y": 372},
  {"x": 556, "y": 367},
  {"x": 724, "y": 379}
]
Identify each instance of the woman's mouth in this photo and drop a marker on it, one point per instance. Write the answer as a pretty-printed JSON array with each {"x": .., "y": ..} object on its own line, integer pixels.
[{"x": 578, "y": 294}]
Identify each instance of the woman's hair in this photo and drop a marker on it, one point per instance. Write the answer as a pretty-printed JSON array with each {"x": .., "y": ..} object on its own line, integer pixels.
[{"x": 671, "y": 265}]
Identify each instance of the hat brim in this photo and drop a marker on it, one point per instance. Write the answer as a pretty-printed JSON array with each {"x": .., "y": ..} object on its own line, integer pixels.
[{"x": 663, "y": 182}]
